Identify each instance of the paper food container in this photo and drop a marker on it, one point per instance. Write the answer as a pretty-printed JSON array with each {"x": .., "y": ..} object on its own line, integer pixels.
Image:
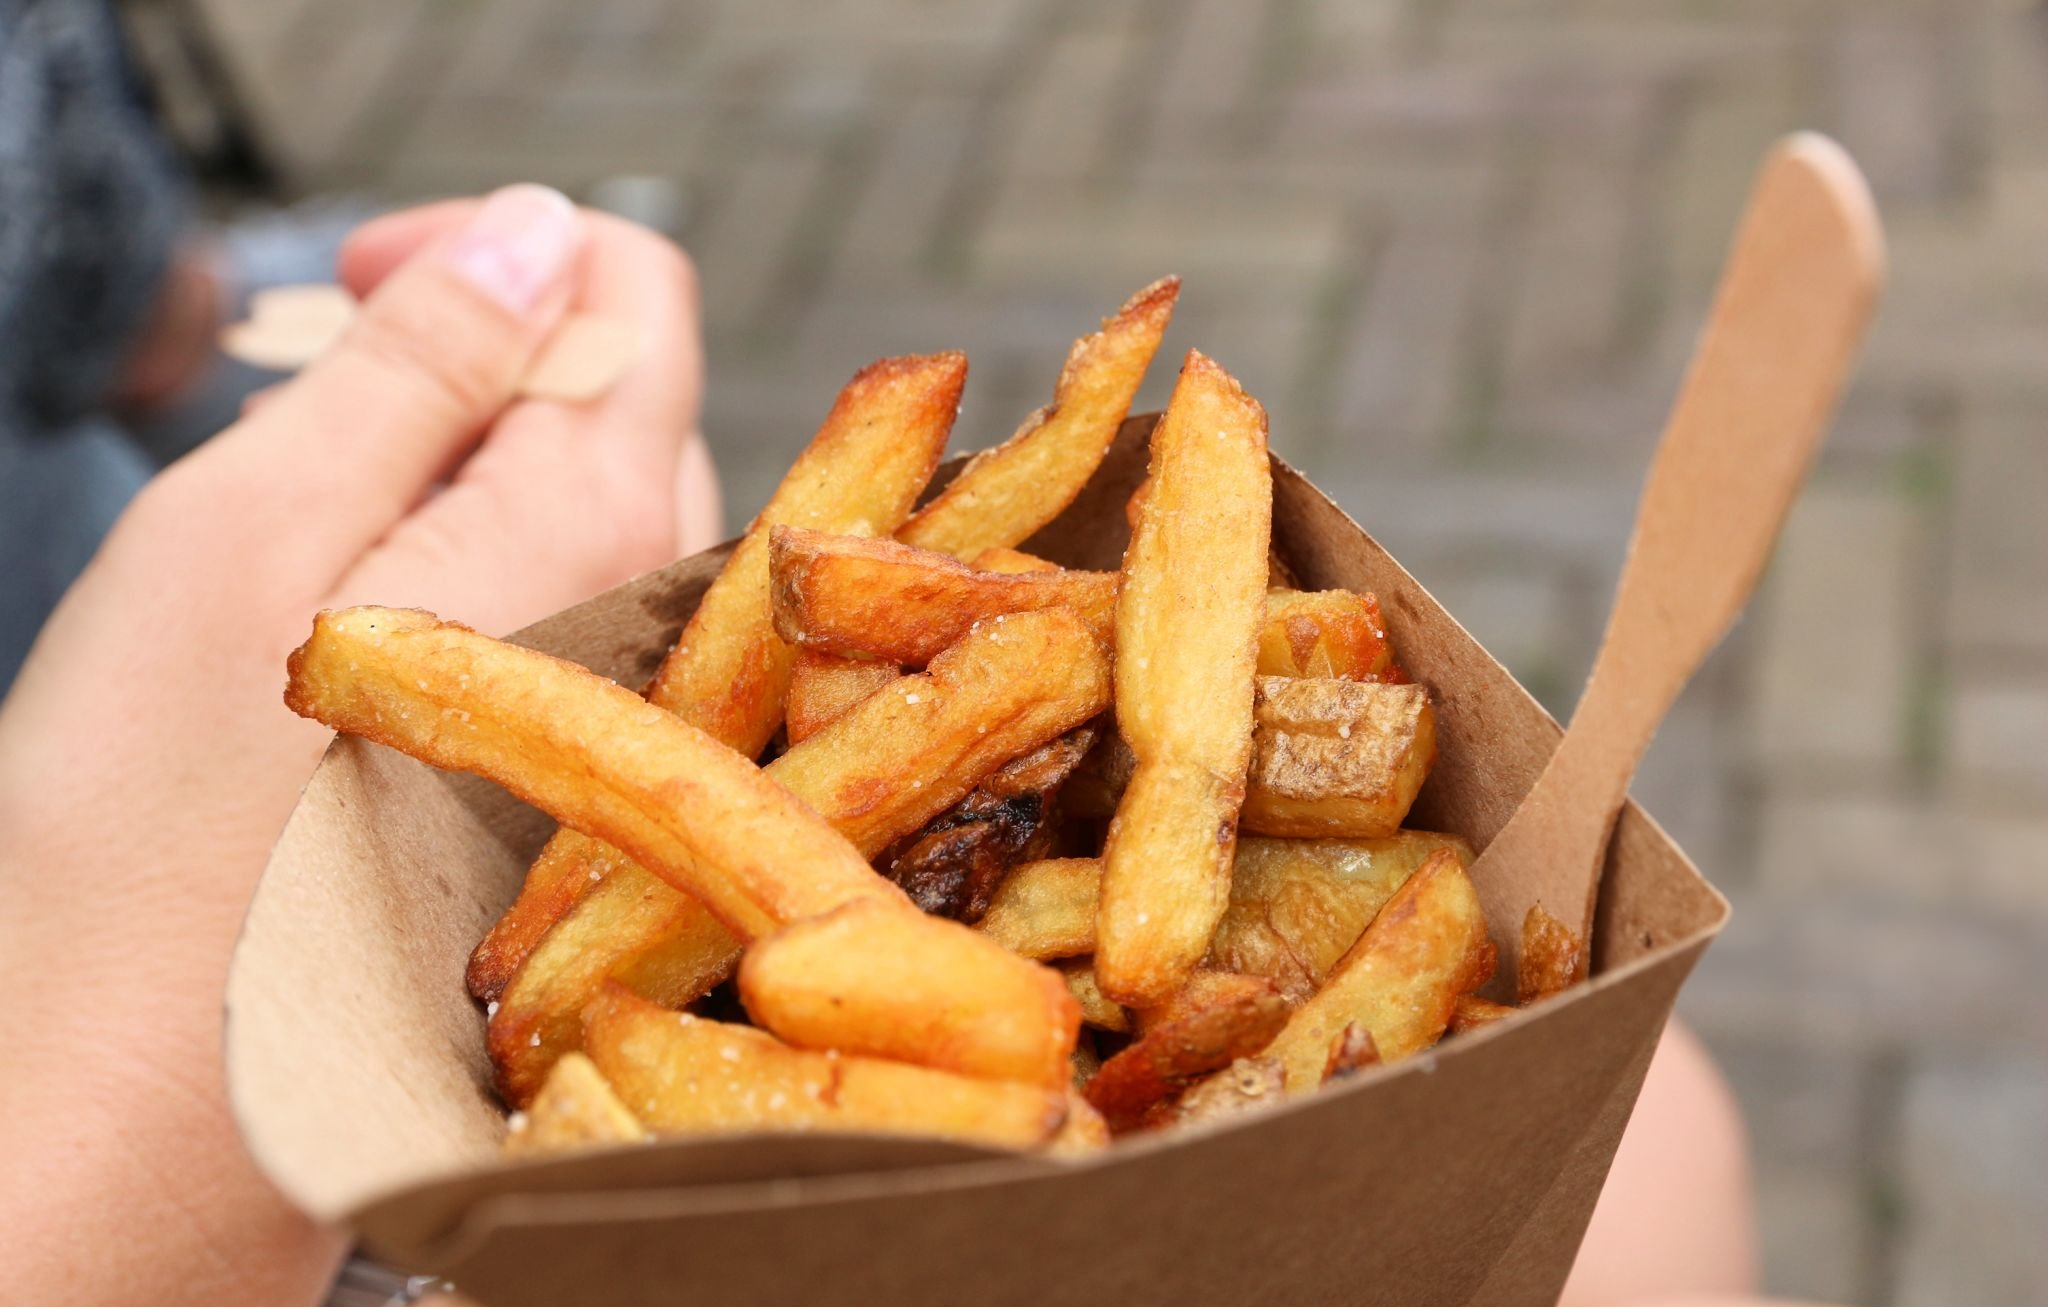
[{"x": 1465, "y": 1175}]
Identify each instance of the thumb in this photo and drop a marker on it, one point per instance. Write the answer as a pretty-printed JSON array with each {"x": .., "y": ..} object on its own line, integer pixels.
[{"x": 345, "y": 449}]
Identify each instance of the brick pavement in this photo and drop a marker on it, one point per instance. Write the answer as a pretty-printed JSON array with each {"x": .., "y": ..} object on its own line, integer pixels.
[{"x": 1460, "y": 250}]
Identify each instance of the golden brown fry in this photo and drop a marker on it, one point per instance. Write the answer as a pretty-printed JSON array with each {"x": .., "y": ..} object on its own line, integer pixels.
[
  {"x": 634, "y": 928},
  {"x": 1342, "y": 758},
  {"x": 1214, "y": 1020},
  {"x": 684, "y": 1074},
  {"x": 567, "y": 868},
  {"x": 1351, "y": 1052},
  {"x": 1246, "y": 1085},
  {"x": 1096, "y": 1010},
  {"x": 873, "y": 979},
  {"x": 1011, "y": 560},
  {"x": 1006, "y": 493},
  {"x": 846, "y": 595},
  {"x": 1296, "y": 906},
  {"x": 596, "y": 756},
  {"x": 862, "y": 472},
  {"x": 1187, "y": 621},
  {"x": 958, "y": 862},
  {"x": 1401, "y": 981},
  {"x": 1046, "y": 909},
  {"x": 824, "y": 687},
  {"x": 575, "y": 1109},
  {"x": 1084, "y": 1131},
  {"x": 915, "y": 748},
  {"x": 1324, "y": 633},
  {"x": 678, "y": 802},
  {"x": 1553, "y": 959},
  {"x": 877, "y": 776},
  {"x": 728, "y": 674},
  {"x": 1476, "y": 1013}
]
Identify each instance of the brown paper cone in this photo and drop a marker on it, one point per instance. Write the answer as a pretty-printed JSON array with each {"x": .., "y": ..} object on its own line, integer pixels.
[{"x": 1465, "y": 1175}]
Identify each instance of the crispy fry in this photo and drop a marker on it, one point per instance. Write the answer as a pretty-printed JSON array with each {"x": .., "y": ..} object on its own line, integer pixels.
[
  {"x": 1324, "y": 633},
  {"x": 824, "y": 687},
  {"x": 643, "y": 932},
  {"x": 1553, "y": 959},
  {"x": 1006, "y": 493},
  {"x": 568, "y": 866},
  {"x": 861, "y": 473},
  {"x": 575, "y": 1109},
  {"x": 682, "y": 805},
  {"x": 596, "y": 756},
  {"x": 1402, "y": 979},
  {"x": 633, "y": 928},
  {"x": 1084, "y": 1130},
  {"x": 1012, "y": 561},
  {"x": 1337, "y": 757},
  {"x": 1246, "y": 1085},
  {"x": 1046, "y": 909},
  {"x": 915, "y": 748},
  {"x": 846, "y": 595},
  {"x": 729, "y": 673},
  {"x": 1096, "y": 1010},
  {"x": 684, "y": 1074},
  {"x": 873, "y": 979},
  {"x": 1476, "y": 1013},
  {"x": 1187, "y": 620},
  {"x": 1296, "y": 906},
  {"x": 1213, "y": 1021},
  {"x": 956, "y": 865},
  {"x": 1351, "y": 1052}
]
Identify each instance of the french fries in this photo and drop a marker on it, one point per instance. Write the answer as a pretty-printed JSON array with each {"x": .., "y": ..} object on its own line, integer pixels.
[
  {"x": 633, "y": 928},
  {"x": 823, "y": 687},
  {"x": 1296, "y": 906},
  {"x": 575, "y": 1109},
  {"x": 1006, "y": 493},
  {"x": 878, "y": 775},
  {"x": 1249, "y": 1084},
  {"x": 957, "y": 864},
  {"x": 1476, "y": 1013},
  {"x": 1351, "y": 1052},
  {"x": 845, "y": 595},
  {"x": 1046, "y": 909},
  {"x": 1096, "y": 1010},
  {"x": 597, "y": 757},
  {"x": 871, "y": 978},
  {"x": 1552, "y": 960},
  {"x": 915, "y": 748},
  {"x": 1403, "y": 978},
  {"x": 729, "y": 672},
  {"x": 686, "y": 807},
  {"x": 861, "y": 473},
  {"x": 683, "y": 1074},
  {"x": 1214, "y": 1020},
  {"x": 1337, "y": 757},
  {"x": 1187, "y": 620},
  {"x": 1324, "y": 633},
  {"x": 947, "y": 714}
]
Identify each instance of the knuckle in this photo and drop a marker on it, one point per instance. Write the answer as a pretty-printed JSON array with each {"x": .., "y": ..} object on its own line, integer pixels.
[{"x": 448, "y": 357}]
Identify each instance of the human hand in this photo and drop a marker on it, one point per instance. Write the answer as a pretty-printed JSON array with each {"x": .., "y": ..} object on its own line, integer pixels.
[{"x": 147, "y": 761}]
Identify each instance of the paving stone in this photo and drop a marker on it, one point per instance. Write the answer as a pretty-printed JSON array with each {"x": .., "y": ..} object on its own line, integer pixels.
[
  {"x": 1975, "y": 1193},
  {"x": 1834, "y": 624},
  {"x": 2001, "y": 536},
  {"x": 1998, "y": 740}
]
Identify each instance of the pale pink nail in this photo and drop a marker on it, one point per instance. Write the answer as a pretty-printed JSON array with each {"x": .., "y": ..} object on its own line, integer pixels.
[{"x": 519, "y": 245}]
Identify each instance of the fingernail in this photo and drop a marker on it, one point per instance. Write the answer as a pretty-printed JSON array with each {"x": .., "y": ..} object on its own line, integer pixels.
[{"x": 519, "y": 245}]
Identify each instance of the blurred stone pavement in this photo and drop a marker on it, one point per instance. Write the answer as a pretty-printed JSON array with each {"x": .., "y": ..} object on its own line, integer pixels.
[{"x": 1460, "y": 251}]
